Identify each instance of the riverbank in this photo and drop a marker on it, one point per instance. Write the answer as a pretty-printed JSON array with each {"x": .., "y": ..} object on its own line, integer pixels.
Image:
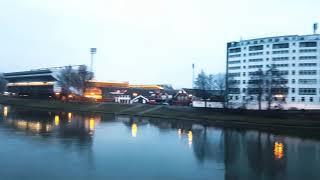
[{"x": 267, "y": 120}]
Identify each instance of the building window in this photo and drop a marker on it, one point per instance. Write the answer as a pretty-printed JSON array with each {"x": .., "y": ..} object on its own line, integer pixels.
[
  {"x": 293, "y": 90},
  {"x": 243, "y": 90},
  {"x": 280, "y": 46},
  {"x": 293, "y": 72},
  {"x": 293, "y": 58},
  {"x": 293, "y": 81},
  {"x": 244, "y": 67},
  {"x": 293, "y": 44},
  {"x": 256, "y": 48},
  {"x": 311, "y": 99},
  {"x": 244, "y": 60},
  {"x": 237, "y": 97},
  {"x": 302, "y": 99},
  {"x": 267, "y": 52},
  {"x": 244, "y": 74},
  {"x": 293, "y": 51},
  {"x": 307, "y": 64},
  {"x": 293, "y": 99},
  {"x": 293, "y": 65},
  {"x": 280, "y": 58},
  {"x": 243, "y": 81},
  {"x": 307, "y": 91},
  {"x": 243, "y": 97},
  {"x": 308, "y": 72},
  {"x": 308, "y": 44},
  {"x": 307, "y": 57}
]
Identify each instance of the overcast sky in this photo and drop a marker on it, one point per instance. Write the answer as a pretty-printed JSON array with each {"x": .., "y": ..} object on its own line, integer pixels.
[{"x": 141, "y": 41}]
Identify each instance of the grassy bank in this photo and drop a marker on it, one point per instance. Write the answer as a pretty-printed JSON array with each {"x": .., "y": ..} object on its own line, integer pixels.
[{"x": 268, "y": 120}]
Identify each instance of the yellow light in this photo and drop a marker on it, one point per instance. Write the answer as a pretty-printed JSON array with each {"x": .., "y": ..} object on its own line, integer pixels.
[
  {"x": 48, "y": 127},
  {"x": 22, "y": 124},
  {"x": 135, "y": 94},
  {"x": 278, "y": 150},
  {"x": 190, "y": 138},
  {"x": 31, "y": 84},
  {"x": 56, "y": 120},
  {"x": 91, "y": 124},
  {"x": 69, "y": 116},
  {"x": 5, "y": 111},
  {"x": 57, "y": 93},
  {"x": 70, "y": 96},
  {"x": 134, "y": 130}
]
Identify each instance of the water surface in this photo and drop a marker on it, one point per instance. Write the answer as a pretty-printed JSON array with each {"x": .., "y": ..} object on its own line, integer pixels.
[{"x": 63, "y": 145}]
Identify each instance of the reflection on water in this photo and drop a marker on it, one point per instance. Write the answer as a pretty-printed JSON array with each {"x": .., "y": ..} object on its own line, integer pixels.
[
  {"x": 5, "y": 111},
  {"x": 101, "y": 146},
  {"x": 278, "y": 150},
  {"x": 134, "y": 130}
]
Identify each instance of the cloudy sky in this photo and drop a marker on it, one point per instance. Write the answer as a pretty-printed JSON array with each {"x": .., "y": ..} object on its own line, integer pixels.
[{"x": 141, "y": 41}]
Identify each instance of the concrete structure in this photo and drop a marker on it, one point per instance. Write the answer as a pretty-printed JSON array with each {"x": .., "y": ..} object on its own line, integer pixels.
[{"x": 296, "y": 57}]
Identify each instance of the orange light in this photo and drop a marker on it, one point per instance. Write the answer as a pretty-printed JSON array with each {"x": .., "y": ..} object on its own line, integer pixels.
[
  {"x": 278, "y": 150},
  {"x": 70, "y": 96},
  {"x": 57, "y": 93}
]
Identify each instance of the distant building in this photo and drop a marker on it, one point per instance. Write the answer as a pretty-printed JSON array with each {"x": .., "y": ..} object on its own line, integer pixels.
[
  {"x": 296, "y": 57},
  {"x": 36, "y": 83}
]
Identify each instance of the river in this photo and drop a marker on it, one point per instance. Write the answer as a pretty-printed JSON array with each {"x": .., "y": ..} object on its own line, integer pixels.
[{"x": 38, "y": 144}]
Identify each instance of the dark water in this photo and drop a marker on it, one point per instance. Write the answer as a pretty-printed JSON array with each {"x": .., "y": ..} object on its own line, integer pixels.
[{"x": 61, "y": 145}]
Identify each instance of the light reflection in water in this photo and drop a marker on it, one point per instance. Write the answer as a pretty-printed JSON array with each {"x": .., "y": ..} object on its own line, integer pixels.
[
  {"x": 56, "y": 120},
  {"x": 69, "y": 116},
  {"x": 179, "y": 133},
  {"x": 5, "y": 111},
  {"x": 91, "y": 124},
  {"x": 134, "y": 130},
  {"x": 190, "y": 138},
  {"x": 278, "y": 150}
]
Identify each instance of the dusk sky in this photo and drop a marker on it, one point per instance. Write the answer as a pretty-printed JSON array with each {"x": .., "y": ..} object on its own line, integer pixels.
[{"x": 142, "y": 41}]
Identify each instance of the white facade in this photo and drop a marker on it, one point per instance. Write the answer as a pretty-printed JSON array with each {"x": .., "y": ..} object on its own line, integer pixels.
[{"x": 297, "y": 57}]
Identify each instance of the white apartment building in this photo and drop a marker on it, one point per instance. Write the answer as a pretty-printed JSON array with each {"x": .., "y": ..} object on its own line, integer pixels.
[{"x": 296, "y": 57}]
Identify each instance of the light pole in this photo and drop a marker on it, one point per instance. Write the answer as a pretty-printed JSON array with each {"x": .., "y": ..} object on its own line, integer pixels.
[{"x": 92, "y": 52}]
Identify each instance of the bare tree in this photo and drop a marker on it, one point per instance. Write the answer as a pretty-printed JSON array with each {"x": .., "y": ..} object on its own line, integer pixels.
[
  {"x": 3, "y": 84},
  {"x": 269, "y": 84},
  {"x": 218, "y": 83},
  {"x": 203, "y": 83},
  {"x": 75, "y": 79}
]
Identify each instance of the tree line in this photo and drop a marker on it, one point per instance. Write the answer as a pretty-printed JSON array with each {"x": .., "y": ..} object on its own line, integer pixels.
[{"x": 268, "y": 85}]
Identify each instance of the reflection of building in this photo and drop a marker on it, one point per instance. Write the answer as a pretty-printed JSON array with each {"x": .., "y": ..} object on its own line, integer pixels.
[{"x": 297, "y": 59}]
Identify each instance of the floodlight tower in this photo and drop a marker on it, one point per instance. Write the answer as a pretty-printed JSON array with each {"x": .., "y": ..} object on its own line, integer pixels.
[{"x": 93, "y": 51}]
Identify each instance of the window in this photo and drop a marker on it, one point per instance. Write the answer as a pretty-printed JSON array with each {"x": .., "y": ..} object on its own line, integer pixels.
[
  {"x": 234, "y": 62},
  {"x": 280, "y": 58},
  {"x": 293, "y": 58},
  {"x": 243, "y": 81},
  {"x": 267, "y": 52},
  {"x": 234, "y": 55},
  {"x": 234, "y": 50},
  {"x": 308, "y": 44},
  {"x": 255, "y": 53},
  {"x": 280, "y": 65},
  {"x": 234, "y": 67},
  {"x": 311, "y": 99},
  {"x": 243, "y": 90},
  {"x": 244, "y": 55},
  {"x": 307, "y": 57},
  {"x": 255, "y": 60},
  {"x": 307, "y": 64},
  {"x": 307, "y": 91},
  {"x": 280, "y": 52},
  {"x": 234, "y": 90},
  {"x": 302, "y": 99},
  {"x": 293, "y": 51},
  {"x": 268, "y": 45},
  {"x": 293, "y": 99},
  {"x": 293, "y": 65},
  {"x": 280, "y": 46},
  {"x": 244, "y": 67},
  {"x": 256, "y": 48},
  {"x": 255, "y": 66},
  {"x": 244, "y": 60},
  {"x": 307, "y": 81},
  {"x": 307, "y": 50},
  {"x": 237, "y": 97},
  {"x": 243, "y": 98},
  {"x": 293, "y": 72},
  {"x": 244, "y": 74},
  {"x": 293, "y": 81},
  {"x": 234, "y": 74},
  {"x": 308, "y": 72}
]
